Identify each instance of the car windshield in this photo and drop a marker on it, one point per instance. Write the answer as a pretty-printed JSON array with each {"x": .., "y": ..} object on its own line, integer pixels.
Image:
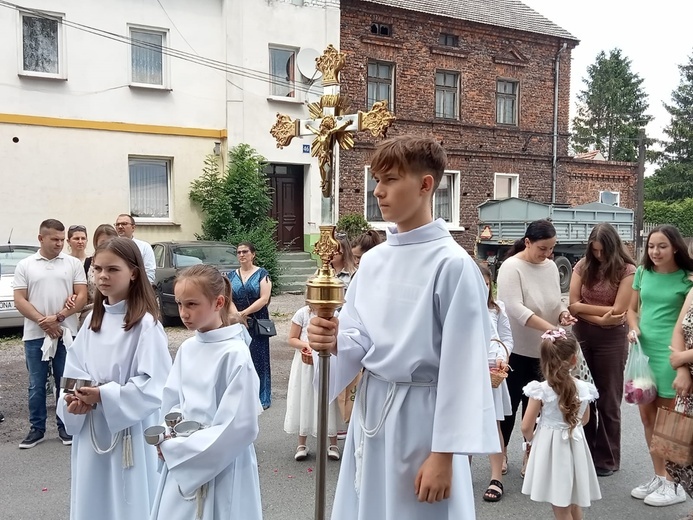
[
  {"x": 10, "y": 257},
  {"x": 210, "y": 254}
]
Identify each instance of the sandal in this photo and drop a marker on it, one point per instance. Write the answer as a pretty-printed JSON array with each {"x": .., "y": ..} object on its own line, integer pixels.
[
  {"x": 333, "y": 452},
  {"x": 301, "y": 452},
  {"x": 504, "y": 470},
  {"x": 494, "y": 495}
]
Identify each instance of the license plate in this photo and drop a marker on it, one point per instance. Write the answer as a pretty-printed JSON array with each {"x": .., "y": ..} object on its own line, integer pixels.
[{"x": 7, "y": 305}]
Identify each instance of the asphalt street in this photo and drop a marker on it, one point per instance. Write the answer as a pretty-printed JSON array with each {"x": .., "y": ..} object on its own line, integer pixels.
[{"x": 35, "y": 483}]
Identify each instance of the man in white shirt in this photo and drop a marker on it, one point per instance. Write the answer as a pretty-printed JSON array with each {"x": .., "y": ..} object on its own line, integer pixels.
[
  {"x": 43, "y": 283},
  {"x": 125, "y": 226}
]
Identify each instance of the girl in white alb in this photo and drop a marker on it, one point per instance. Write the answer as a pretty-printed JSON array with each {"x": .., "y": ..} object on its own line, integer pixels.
[
  {"x": 122, "y": 350},
  {"x": 560, "y": 469},
  {"x": 302, "y": 399},
  {"x": 499, "y": 350},
  {"x": 212, "y": 473}
]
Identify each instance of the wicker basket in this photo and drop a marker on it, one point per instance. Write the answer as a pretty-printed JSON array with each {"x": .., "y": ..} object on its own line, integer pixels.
[
  {"x": 307, "y": 356},
  {"x": 498, "y": 375}
]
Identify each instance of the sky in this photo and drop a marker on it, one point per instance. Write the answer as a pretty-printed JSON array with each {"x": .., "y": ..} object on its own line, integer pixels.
[{"x": 656, "y": 39}]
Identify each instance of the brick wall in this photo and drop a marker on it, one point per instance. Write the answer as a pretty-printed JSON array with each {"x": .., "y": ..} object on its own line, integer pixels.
[
  {"x": 585, "y": 179},
  {"x": 476, "y": 146}
]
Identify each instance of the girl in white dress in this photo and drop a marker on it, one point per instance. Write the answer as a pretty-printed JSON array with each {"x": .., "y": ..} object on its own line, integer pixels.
[
  {"x": 212, "y": 473},
  {"x": 302, "y": 398},
  {"x": 123, "y": 350},
  {"x": 497, "y": 358},
  {"x": 560, "y": 469}
]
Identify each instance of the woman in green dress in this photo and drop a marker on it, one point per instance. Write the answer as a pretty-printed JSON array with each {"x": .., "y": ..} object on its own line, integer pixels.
[{"x": 661, "y": 284}]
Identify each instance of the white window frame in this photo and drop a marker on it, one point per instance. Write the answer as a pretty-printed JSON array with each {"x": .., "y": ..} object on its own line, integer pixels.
[
  {"x": 453, "y": 225},
  {"x": 154, "y": 220},
  {"x": 514, "y": 189},
  {"x": 297, "y": 74},
  {"x": 442, "y": 88},
  {"x": 62, "y": 55},
  {"x": 618, "y": 197},
  {"x": 165, "y": 61}
]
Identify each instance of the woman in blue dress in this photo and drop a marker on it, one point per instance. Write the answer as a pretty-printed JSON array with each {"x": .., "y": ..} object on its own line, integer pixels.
[{"x": 252, "y": 288}]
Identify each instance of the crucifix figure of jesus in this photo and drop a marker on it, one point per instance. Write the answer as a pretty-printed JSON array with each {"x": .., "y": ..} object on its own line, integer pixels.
[{"x": 333, "y": 127}]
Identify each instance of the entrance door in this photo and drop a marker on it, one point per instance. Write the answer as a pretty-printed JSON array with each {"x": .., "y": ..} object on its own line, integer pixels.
[{"x": 286, "y": 181}]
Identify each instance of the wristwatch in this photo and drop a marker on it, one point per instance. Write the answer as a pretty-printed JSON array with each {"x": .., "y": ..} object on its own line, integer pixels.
[{"x": 60, "y": 317}]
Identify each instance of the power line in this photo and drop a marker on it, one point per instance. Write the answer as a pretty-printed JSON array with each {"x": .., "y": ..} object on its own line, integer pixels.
[{"x": 163, "y": 49}]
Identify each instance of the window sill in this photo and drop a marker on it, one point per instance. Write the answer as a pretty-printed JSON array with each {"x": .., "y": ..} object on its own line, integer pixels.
[
  {"x": 386, "y": 41},
  {"x": 285, "y": 99},
  {"x": 448, "y": 51},
  {"x": 144, "y": 86},
  {"x": 41, "y": 75},
  {"x": 148, "y": 223}
]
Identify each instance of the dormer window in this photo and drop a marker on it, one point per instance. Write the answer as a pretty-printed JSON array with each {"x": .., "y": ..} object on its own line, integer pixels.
[
  {"x": 448, "y": 40},
  {"x": 381, "y": 29}
]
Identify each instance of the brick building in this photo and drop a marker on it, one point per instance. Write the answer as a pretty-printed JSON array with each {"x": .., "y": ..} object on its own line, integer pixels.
[{"x": 483, "y": 77}]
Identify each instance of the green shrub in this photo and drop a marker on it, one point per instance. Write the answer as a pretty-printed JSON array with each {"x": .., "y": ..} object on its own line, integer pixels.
[
  {"x": 679, "y": 214},
  {"x": 236, "y": 204},
  {"x": 353, "y": 224}
]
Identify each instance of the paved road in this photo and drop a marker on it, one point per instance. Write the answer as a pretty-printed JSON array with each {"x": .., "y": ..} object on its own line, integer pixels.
[{"x": 35, "y": 483}]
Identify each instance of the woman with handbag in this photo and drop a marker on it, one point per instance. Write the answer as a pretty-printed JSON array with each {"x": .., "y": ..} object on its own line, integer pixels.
[
  {"x": 661, "y": 284},
  {"x": 681, "y": 360},
  {"x": 600, "y": 292},
  {"x": 528, "y": 284},
  {"x": 251, "y": 291}
]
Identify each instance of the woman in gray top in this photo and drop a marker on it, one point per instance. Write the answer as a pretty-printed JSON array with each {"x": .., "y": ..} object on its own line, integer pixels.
[{"x": 528, "y": 284}]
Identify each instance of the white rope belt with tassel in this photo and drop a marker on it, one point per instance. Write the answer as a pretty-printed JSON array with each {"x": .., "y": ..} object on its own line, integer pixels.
[
  {"x": 392, "y": 387},
  {"x": 199, "y": 496},
  {"x": 124, "y": 435}
]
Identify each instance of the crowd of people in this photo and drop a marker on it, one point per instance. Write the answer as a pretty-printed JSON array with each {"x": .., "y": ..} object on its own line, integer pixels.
[{"x": 430, "y": 365}]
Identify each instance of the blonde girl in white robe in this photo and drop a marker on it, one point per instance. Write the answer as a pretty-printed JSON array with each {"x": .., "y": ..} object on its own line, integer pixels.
[
  {"x": 123, "y": 350},
  {"x": 212, "y": 474},
  {"x": 497, "y": 358}
]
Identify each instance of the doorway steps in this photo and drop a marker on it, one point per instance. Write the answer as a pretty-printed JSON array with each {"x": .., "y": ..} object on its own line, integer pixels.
[{"x": 296, "y": 268}]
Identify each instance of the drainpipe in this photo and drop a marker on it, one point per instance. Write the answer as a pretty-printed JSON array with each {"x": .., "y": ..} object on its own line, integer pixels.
[{"x": 554, "y": 162}]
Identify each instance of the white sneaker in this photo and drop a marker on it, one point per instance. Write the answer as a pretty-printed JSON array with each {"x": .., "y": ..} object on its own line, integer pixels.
[
  {"x": 641, "y": 492},
  {"x": 666, "y": 495}
]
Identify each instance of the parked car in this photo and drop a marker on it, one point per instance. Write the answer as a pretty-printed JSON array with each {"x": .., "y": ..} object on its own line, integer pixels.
[
  {"x": 10, "y": 255},
  {"x": 171, "y": 257}
]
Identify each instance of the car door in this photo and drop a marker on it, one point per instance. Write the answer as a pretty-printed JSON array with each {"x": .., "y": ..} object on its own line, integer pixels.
[{"x": 165, "y": 275}]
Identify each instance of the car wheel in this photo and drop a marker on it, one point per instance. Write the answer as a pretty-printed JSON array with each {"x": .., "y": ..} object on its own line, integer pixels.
[{"x": 565, "y": 271}]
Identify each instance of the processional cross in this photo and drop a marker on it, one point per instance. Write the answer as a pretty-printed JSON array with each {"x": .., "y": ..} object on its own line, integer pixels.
[{"x": 332, "y": 127}]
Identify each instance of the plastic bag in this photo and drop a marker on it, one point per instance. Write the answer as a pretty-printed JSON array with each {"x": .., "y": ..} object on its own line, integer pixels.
[{"x": 640, "y": 386}]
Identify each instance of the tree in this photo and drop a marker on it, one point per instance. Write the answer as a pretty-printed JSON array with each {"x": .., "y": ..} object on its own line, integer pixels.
[
  {"x": 674, "y": 179},
  {"x": 611, "y": 109},
  {"x": 236, "y": 205}
]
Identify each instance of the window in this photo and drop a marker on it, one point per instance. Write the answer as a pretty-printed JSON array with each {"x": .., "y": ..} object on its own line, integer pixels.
[
  {"x": 379, "y": 83},
  {"x": 372, "y": 209},
  {"x": 444, "y": 199},
  {"x": 506, "y": 185},
  {"x": 147, "y": 60},
  {"x": 150, "y": 181},
  {"x": 381, "y": 29},
  {"x": 282, "y": 72},
  {"x": 448, "y": 40},
  {"x": 159, "y": 255},
  {"x": 447, "y": 84},
  {"x": 612, "y": 198},
  {"x": 42, "y": 46},
  {"x": 506, "y": 102}
]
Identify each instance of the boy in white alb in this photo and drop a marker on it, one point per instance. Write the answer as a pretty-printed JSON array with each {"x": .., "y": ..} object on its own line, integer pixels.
[{"x": 416, "y": 319}]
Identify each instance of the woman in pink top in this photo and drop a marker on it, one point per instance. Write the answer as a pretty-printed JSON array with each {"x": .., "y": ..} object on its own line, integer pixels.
[{"x": 600, "y": 291}]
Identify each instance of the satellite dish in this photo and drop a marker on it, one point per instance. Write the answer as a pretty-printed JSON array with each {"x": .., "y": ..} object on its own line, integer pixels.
[{"x": 305, "y": 60}]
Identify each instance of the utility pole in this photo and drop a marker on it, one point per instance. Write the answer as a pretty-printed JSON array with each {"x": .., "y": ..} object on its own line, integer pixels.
[{"x": 640, "y": 194}]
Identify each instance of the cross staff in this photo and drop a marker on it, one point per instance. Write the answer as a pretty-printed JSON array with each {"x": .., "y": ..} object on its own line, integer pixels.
[{"x": 332, "y": 127}]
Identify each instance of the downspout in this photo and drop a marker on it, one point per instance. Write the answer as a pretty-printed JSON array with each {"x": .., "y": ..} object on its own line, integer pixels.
[{"x": 554, "y": 162}]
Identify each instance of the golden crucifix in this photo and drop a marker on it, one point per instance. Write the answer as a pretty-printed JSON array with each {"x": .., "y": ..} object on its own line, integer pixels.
[{"x": 332, "y": 126}]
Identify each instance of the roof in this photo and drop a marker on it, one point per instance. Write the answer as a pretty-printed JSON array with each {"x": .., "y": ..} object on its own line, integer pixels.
[
  {"x": 594, "y": 155},
  {"x": 511, "y": 14}
]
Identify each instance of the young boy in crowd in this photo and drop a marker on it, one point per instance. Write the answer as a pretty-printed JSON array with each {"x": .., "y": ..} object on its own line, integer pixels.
[{"x": 416, "y": 319}]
